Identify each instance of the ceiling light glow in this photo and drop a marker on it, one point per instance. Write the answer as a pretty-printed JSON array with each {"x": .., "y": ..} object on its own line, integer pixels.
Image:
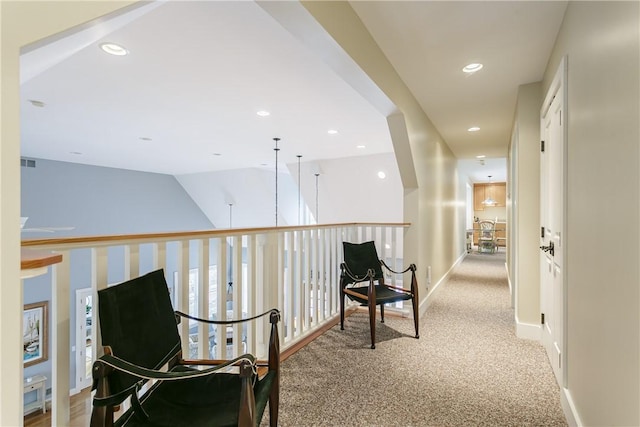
[
  {"x": 382, "y": 175},
  {"x": 263, "y": 113},
  {"x": 360, "y": 146},
  {"x": 114, "y": 49},
  {"x": 332, "y": 131},
  {"x": 481, "y": 156},
  {"x": 472, "y": 68},
  {"x": 473, "y": 129}
]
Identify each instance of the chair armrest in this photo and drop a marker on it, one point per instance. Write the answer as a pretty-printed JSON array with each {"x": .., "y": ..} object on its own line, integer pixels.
[
  {"x": 396, "y": 288},
  {"x": 412, "y": 267},
  {"x": 154, "y": 374}
]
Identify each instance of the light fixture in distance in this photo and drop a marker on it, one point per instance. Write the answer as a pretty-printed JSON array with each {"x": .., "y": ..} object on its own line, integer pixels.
[
  {"x": 382, "y": 175},
  {"x": 360, "y": 146},
  {"x": 263, "y": 113},
  {"x": 472, "y": 68},
  {"x": 114, "y": 49},
  {"x": 332, "y": 131},
  {"x": 473, "y": 129},
  {"x": 481, "y": 156}
]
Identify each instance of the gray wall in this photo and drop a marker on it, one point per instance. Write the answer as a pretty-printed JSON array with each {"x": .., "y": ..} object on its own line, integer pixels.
[
  {"x": 97, "y": 201},
  {"x": 602, "y": 43}
]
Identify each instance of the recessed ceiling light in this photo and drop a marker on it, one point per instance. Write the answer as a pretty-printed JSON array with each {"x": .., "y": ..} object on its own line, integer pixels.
[
  {"x": 263, "y": 113},
  {"x": 473, "y": 129},
  {"x": 382, "y": 175},
  {"x": 481, "y": 156},
  {"x": 332, "y": 131},
  {"x": 472, "y": 68},
  {"x": 36, "y": 103},
  {"x": 361, "y": 146},
  {"x": 114, "y": 49}
]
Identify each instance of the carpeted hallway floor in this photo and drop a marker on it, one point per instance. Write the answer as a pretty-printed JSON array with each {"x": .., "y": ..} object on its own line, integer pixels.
[{"x": 467, "y": 368}]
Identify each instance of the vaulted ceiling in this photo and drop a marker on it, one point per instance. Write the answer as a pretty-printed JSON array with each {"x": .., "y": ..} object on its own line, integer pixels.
[{"x": 185, "y": 99}]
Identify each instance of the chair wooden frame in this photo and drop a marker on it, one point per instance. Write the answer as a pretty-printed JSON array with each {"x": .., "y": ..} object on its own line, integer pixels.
[
  {"x": 174, "y": 368},
  {"x": 376, "y": 292}
]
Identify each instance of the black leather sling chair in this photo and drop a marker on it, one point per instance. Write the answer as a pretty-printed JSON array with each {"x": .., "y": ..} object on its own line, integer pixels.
[
  {"x": 140, "y": 336},
  {"x": 362, "y": 265}
]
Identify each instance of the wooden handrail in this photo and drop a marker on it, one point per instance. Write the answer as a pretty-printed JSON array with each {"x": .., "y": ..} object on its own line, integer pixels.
[
  {"x": 106, "y": 240},
  {"x": 30, "y": 259}
]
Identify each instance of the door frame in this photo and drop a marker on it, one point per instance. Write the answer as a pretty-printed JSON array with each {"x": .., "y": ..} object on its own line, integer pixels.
[
  {"x": 80, "y": 324},
  {"x": 558, "y": 86}
]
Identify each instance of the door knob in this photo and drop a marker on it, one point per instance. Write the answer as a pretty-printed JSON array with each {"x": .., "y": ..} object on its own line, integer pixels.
[{"x": 548, "y": 248}]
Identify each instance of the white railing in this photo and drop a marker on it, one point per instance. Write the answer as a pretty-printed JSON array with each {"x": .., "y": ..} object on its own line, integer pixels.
[{"x": 295, "y": 269}]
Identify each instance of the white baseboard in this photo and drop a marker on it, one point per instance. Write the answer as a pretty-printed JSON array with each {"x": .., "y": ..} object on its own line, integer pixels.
[
  {"x": 569, "y": 408},
  {"x": 434, "y": 288},
  {"x": 528, "y": 331}
]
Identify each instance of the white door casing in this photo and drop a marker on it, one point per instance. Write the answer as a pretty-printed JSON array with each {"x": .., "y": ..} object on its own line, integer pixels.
[
  {"x": 84, "y": 331},
  {"x": 552, "y": 223}
]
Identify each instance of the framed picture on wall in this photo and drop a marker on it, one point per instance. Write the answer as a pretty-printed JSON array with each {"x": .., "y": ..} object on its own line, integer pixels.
[{"x": 35, "y": 347}]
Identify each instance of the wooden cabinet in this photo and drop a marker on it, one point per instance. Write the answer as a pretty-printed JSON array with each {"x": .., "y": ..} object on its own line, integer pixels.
[
  {"x": 38, "y": 385},
  {"x": 478, "y": 197},
  {"x": 496, "y": 191}
]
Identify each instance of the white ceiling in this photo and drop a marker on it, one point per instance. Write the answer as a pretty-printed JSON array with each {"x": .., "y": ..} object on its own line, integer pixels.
[{"x": 198, "y": 72}]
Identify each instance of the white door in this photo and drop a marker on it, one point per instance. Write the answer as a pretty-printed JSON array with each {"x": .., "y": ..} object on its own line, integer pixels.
[
  {"x": 552, "y": 191},
  {"x": 84, "y": 338}
]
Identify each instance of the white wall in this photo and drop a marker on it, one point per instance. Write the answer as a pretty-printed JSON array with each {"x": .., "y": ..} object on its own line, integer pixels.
[
  {"x": 22, "y": 23},
  {"x": 602, "y": 43},
  {"x": 252, "y": 192},
  {"x": 349, "y": 190},
  {"x": 527, "y": 211},
  {"x": 434, "y": 198}
]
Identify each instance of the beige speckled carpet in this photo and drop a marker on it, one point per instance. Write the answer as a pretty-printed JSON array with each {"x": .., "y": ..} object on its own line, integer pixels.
[{"x": 467, "y": 369}]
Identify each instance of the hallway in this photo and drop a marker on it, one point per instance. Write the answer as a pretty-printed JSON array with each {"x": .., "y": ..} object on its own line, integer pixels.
[{"x": 467, "y": 368}]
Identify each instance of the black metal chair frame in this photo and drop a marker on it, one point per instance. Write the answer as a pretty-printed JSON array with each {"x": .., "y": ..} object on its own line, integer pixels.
[{"x": 380, "y": 293}]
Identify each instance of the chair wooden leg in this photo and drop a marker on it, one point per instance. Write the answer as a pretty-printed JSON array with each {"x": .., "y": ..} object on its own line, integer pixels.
[
  {"x": 372, "y": 323},
  {"x": 246, "y": 416},
  {"x": 416, "y": 320},
  {"x": 274, "y": 405},
  {"x": 381, "y": 313},
  {"x": 342, "y": 297}
]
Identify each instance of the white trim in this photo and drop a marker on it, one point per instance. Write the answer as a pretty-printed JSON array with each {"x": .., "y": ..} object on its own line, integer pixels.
[
  {"x": 506, "y": 267},
  {"x": 425, "y": 303},
  {"x": 569, "y": 408},
  {"x": 528, "y": 331}
]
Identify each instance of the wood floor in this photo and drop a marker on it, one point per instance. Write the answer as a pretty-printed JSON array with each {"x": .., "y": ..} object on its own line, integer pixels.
[{"x": 80, "y": 412}]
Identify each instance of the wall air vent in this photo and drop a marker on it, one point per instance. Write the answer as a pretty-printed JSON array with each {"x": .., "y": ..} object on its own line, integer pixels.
[{"x": 27, "y": 163}]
